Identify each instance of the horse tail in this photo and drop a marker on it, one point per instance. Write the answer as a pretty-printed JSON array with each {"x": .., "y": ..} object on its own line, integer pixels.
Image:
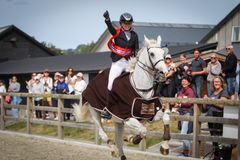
[{"x": 82, "y": 113}]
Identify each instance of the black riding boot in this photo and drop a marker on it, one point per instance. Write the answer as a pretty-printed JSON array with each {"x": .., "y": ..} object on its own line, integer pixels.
[{"x": 105, "y": 114}]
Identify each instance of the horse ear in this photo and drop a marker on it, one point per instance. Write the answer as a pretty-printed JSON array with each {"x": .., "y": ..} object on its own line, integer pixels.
[
  {"x": 159, "y": 40},
  {"x": 146, "y": 41}
]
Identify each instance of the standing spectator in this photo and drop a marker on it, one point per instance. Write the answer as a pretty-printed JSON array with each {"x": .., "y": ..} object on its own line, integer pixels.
[
  {"x": 198, "y": 68},
  {"x": 237, "y": 88},
  {"x": 182, "y": 70},
  {"x": 57, "y": 76},
  {"x": 80, "y": 84},
  {"x": 219, "y": 92},
  {"x": 169, "y": 87},
  {"x": 70, "y": 79},
  {"x": 30, "y": 82},
  {"x": 3, "y": 90},
  {"x": 214, "y": 68},
  {"x": 37, "y": 87},
  {"x": 48, "y": 85},
  {"x": 62, "y": 88},
  {"x": 14, "y": 86},
  {"x": 187, "y": 110},
  {"x": 2, "y": 87},
  {"x": 229, "y": 70}
]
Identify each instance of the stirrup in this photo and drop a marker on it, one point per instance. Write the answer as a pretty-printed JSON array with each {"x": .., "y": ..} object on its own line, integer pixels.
[{"x": 106, "y": 115}]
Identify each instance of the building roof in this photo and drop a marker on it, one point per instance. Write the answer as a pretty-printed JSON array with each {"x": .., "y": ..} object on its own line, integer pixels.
[
  {"x": 175, "y": 51},
  {"x": 91, "y": 62},
  {"x": 5, "y": 30},
  {"x": 172, "y": 34},
  {"x": 220, "y": 24}
]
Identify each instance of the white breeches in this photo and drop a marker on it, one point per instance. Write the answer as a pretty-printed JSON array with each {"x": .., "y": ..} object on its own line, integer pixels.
[{"x": 116, "y": 69}]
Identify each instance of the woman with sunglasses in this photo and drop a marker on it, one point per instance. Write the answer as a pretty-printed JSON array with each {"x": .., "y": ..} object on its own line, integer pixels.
[
  {"x": 123, "y": 44},
  {"x": 214, "y": 68}
]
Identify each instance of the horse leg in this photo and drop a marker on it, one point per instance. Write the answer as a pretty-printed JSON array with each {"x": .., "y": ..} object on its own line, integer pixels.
[
  {"x": 141, "y": 130},
  {"x": 119, "y": 127},
  {"x": 164, "y": 149},
  {"x": 97, "y": 120}
]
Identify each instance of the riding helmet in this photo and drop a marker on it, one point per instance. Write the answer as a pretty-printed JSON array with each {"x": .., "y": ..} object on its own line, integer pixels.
[{"x": 126, "y": 18}]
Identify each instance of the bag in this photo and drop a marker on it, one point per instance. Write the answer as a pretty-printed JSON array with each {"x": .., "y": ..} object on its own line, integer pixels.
[{"x": 8, "y": 99}]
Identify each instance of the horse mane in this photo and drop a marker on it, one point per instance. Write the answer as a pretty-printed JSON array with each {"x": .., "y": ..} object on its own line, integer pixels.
[{"x": 133, "y": 60}]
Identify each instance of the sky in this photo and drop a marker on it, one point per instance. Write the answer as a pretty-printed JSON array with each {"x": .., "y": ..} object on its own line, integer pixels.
[{"x": 68, "y": 23}]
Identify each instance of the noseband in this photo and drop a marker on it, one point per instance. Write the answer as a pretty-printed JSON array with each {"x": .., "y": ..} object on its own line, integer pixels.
[{"x": 153, "y": 66}]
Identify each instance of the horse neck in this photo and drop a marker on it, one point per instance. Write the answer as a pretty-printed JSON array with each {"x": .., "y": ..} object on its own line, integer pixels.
[{"x": 141, "y": 79}]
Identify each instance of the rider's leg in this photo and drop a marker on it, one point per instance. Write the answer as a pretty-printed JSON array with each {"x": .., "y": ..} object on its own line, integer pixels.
[{"x": 116, "y": 69}]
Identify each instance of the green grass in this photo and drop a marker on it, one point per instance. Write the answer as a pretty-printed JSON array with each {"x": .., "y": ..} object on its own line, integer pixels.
[{"x": 87, "y": 135}]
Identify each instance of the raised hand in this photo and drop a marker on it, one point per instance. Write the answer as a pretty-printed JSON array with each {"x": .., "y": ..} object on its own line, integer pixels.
[{"x": 106, "y": 14}]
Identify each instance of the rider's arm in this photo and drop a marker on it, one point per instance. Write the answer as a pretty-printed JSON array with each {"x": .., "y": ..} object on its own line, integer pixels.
[{"x": 111, "y": 29}]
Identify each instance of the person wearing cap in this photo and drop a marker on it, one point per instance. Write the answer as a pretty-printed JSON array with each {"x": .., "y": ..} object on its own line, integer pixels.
[
  {"x": 169, "y": 87},
  {"x": 123, "y": 44},
  {"x": 38, "y": 88},
  {"x": 187, "y": 110},
  {"x": 199, "y": 69},
  {"x": 80, "y": 84},
  {"x": 214, "y": 68},
  {"x": 62, "y": 88},
  {"x": 229, "y": 70},
  {"x": 57, "y": 76}
]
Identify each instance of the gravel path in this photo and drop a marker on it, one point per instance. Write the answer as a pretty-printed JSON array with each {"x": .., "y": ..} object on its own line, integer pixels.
[{"x": 17, "y": 146}]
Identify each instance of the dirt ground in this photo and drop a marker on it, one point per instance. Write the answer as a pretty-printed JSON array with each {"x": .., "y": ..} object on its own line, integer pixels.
[{"x": 14, "y": 146}]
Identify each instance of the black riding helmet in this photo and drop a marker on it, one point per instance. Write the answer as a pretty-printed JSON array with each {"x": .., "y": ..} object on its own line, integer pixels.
[{"x": 126, "y": 18}]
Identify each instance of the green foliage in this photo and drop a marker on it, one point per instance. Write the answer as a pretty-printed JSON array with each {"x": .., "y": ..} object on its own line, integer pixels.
[{"x": 80, "y": 49}]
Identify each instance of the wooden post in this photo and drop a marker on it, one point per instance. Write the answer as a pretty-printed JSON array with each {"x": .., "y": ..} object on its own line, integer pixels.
[
  {"x": 2, "y": 113},
  {"x": 60, "y": 119},
  {"x": 143, "y": 144},
  {"x": 196, "y": 131},
  {"x": 29, "y": 114}
]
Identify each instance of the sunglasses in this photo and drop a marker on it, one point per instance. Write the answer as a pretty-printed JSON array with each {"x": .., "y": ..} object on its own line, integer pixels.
[
  {"x": 228, "y": 48},
  {"x": 213, "y": 57}
]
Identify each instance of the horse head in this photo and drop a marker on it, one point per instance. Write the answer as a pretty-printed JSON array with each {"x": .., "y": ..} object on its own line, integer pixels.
[{"x": 152, "y": 55}]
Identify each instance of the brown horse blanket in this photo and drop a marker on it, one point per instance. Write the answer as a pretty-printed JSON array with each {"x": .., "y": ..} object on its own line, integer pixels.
[{"x": 123, "y": 101}]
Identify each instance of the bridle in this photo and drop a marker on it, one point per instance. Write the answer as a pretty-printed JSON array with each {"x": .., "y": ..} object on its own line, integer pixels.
[{"x": 150, "y": 69}]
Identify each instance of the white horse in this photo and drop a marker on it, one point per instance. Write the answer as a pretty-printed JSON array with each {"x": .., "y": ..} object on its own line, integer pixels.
[{"x": 150, "y": 59}]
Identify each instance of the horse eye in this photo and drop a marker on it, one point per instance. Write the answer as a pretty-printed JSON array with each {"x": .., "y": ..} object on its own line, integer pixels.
[{"x": 152, "y": 54}]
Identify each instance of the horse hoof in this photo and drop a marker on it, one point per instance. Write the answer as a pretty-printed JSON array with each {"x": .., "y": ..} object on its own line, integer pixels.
[
  {"x": 136, "y": 139},
  {"x": 123, "y": 157},
  {"x": 113, "y": 148},
  {"x": 164, "y": 151}
]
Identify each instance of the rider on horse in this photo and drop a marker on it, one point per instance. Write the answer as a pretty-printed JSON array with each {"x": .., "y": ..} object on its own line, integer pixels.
[{"x": 123, "y": 44}]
